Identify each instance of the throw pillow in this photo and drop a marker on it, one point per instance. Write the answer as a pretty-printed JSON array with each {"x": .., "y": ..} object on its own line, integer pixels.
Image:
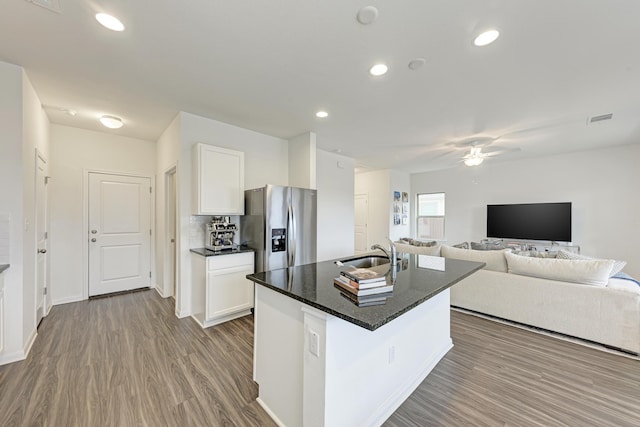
[
  {"x": 617, "y": 265},
  {"x": 488, "y": 246},
  {"x": 463, "y": 245},
  {"x": 589, "y": 272}
]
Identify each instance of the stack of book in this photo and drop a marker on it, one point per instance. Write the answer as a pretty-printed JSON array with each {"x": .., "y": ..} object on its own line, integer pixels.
[{"x": 364, "y": 287}]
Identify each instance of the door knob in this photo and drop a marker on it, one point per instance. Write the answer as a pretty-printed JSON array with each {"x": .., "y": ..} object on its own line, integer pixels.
[
  {"x": 42, "y": 251},
  {"x": 93, "y": 239}
]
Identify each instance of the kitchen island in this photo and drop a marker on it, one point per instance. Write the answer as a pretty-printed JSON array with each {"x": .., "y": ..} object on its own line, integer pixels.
[{"x": 320, "y": 360}]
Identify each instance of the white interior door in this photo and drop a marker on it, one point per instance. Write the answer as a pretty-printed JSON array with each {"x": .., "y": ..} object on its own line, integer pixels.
[
  {"x": 119, "y": 233},
  {"x": 361, "y": 218},
  {"x": 42, "y": 299}
]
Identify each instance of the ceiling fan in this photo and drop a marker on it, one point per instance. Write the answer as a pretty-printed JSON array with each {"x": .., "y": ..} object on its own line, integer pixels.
[{"x": 476, "y": 156}]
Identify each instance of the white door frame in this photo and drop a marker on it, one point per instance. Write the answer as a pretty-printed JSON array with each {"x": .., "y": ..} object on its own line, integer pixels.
[
  {"x": 46, "y": 300},
  {"x": 85, "y": 224},
  {"x": 171, "y": 171},
  {"x": 366, "y": 197}
]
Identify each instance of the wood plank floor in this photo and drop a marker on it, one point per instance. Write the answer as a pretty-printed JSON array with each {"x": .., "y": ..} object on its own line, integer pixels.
[{"x": 128, "y": 361}]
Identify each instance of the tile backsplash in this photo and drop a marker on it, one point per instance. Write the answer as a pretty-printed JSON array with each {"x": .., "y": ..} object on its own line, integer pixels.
[{"x": 5, "y": 238}]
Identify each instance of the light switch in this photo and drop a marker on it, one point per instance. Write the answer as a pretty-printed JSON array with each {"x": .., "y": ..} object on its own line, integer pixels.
[{"x": 314, "y": 343}]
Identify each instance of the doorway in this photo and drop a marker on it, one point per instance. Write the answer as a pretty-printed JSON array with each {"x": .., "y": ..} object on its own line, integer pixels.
[
  {"x": 361, "y": 218},
  {"x": 119, "y": 233},
  {"x": 43, "y": 297},
  {"x": 170, "y": 286}
]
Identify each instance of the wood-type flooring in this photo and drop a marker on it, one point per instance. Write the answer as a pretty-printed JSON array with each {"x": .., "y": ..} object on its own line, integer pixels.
[{"x": 128, "y": 361}]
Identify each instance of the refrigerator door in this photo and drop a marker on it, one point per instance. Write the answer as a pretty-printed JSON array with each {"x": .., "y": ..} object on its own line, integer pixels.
[
  {"x": 277, "y": 220},
  {"x": 303, "y": 226},
  {"x": 252, "y": 225}
]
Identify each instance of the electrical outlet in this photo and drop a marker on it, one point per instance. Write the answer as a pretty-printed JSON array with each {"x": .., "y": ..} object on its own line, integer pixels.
[{"x": 314, "y": 343}]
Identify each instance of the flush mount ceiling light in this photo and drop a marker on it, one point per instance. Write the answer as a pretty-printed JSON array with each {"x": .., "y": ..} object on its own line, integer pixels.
[
  {"x": 112, "y": 122},
  {"x": 486, "y": 38},
  {"x": 322, "y": 114},
  {"x": 110, "y": 22},
  {"x": 378, "y": 70}
]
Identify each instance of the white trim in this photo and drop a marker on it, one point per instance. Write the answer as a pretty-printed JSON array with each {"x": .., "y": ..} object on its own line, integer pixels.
[
  {"x": 171, "y": 170},
  {"x": 19, "y": 355},
  {"x": 159, "y": 291},
  {"x": 402, "y": 393},
  {"x": 270, "y": 412},
  {"x": 68, "y": 300},
  {"x": 85, "y": 222},
  {"x": 30, "y": 341}
]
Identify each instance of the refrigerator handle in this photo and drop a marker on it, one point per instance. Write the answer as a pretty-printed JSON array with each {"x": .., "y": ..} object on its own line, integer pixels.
[{"x": 291, "y": 236}]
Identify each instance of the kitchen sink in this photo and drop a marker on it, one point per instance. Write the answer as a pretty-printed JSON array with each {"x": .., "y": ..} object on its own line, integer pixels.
[{"x": 365, "y": 261}]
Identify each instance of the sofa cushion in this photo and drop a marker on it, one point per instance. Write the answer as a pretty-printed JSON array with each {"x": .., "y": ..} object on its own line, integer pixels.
[
  {"x": 494, "y": 259},
  {"x": 617, "y": 265},
  {"x": 536, "y": 254},
  {"x": 589, "y": 272},
  {"x": 414, "y": 242},
  {"x": 488, "y": 246}
]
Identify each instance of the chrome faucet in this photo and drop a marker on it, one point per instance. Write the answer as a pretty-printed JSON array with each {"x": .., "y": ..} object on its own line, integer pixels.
[{"x": 391, "y": 253}]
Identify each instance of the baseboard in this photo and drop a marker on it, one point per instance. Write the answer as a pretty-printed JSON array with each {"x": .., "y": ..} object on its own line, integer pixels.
[
  {"x": 67, "y": 300},
  {"x": 19, "y": 355},
  {"x": 159, "y": 291},
  {"x": 402, "y": 393},
  {"x": 270, "y": 412}
]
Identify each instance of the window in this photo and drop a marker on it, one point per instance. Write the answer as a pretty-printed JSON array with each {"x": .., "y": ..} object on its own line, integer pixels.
[{"x": 430, "y": 216}]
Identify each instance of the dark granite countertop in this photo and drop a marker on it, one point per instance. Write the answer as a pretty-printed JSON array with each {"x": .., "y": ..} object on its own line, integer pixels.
[
  {"x": 208, "y": 252},
  {"x": 312, "y": 284},
  {"x": 3, "y": 267}
]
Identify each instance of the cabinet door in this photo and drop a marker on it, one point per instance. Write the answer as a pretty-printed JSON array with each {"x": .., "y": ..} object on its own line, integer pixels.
[
  {"x": 229, "y": 291},
  {"x": 219, "y": 179}
]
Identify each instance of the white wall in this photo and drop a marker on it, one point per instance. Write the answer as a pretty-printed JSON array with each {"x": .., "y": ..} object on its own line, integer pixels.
[
  {"x": 35, "y": 135},
  {"x": 601, "y": 184},
  {"x": 73, "y": 151},
  {"x": 335, "y": 179},
  {"x": 265, "y": 162},
  {"x": 302, "y": 161},
  {"x": 11, "y": 195},
  {"x": 24, "y": 127}
]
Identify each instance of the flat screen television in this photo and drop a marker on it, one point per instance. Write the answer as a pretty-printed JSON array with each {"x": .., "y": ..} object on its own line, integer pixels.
[{"x": 530, "y": 221}]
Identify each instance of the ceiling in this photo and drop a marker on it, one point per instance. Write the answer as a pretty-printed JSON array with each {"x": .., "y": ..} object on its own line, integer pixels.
[{"x": 270, "y": 65}]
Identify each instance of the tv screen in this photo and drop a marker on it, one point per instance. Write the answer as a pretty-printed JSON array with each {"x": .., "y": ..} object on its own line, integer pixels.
[{"x": 530, "y": 221}]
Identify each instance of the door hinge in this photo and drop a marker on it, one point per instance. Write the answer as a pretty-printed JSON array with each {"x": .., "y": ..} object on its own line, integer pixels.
[
  {"x": 46, "y": 179},
  {"x": 46, "y": 234},
  {"x": 149, "y": 275},
  {"x": 150, "y": 190},
  {"x": 149, "y": 232},
  {"x": 45, "y": 291}
]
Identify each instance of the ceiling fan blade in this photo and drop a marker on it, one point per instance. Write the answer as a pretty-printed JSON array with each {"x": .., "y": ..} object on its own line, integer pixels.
[{"x": 496, "y": 151}]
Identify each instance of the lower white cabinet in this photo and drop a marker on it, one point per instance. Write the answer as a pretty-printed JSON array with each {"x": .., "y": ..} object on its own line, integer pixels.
[
  {"x": 1, "y": 312},
  {"x": 221, "y": 290}
]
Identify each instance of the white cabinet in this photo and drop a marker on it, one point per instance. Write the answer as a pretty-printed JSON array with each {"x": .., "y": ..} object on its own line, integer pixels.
[
  {"x": 220, "y": 290},
  {"x": 218, "y": 181}
]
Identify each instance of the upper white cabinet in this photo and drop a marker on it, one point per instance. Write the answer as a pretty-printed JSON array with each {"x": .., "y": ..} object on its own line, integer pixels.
[{"x": 218, "y": 181}]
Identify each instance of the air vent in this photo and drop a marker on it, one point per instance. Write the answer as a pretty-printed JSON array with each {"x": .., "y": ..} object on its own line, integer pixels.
[
  {"x": 52, "y": 5},
  {"x": 601, "y": 118}
]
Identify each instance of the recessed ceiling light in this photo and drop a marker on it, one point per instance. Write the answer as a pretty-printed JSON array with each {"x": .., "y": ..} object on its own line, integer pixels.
[
  {"x": 378, "y": 70},
  {"x": 486, "y": 38},
  {"x": 322, "y": 114},
  {"x": 367, "y": 15},
  {"x": 112, "y": 122},
  {"x": 110, "y": 22}
]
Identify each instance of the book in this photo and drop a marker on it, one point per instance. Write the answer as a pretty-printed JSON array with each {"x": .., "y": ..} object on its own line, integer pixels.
[
  {"x": 342, "y": 285},
  {"x": 359, "y": 285},
  {"x": 364, "y": 275},
  {"x": 367, "y": 303},
  {"x": 367, "y": 298}
]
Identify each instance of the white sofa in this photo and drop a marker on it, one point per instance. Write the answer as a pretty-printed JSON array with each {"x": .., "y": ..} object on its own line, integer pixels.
[{"x": 607, "y": 312}]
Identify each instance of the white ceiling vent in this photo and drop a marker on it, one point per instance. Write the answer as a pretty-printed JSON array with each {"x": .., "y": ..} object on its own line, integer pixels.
[
  {"x": 52, "y": 5},
  {"x": 601, "y": 118}
]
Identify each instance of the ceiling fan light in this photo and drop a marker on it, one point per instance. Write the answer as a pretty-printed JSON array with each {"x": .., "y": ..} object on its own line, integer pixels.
[
  {"x": 486, "y": 38},
  {"x": 473, "y": 161}
]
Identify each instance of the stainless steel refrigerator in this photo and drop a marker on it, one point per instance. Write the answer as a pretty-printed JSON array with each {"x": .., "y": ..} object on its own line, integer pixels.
[{"x": 279, "y": 223}]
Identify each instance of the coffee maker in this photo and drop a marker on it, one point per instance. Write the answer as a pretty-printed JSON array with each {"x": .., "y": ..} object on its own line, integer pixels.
[{"x": 220, "y": 234}]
